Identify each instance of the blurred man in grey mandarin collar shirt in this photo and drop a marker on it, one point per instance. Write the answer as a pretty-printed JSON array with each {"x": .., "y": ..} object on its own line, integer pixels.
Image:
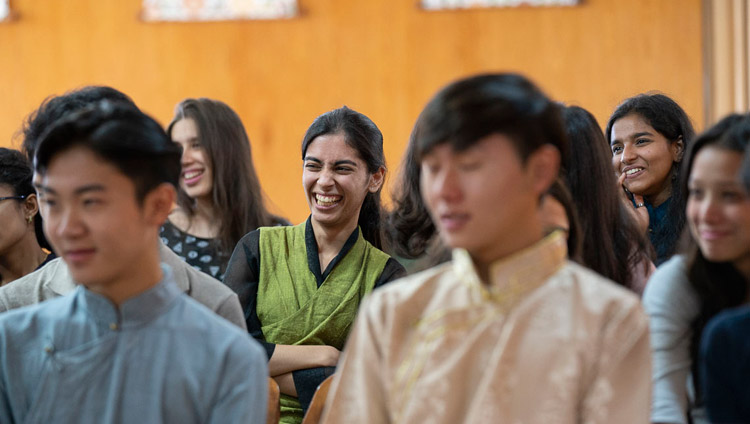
[
  {"x": 127, "y": 345},
  {"x": 54, "y": 280}
]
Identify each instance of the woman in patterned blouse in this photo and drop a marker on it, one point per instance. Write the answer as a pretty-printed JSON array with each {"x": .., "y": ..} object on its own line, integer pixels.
[{"x": 220, "y": 199}]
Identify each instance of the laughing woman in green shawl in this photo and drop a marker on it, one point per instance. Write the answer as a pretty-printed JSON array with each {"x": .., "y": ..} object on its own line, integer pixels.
[{"x": 301, "y": 286}]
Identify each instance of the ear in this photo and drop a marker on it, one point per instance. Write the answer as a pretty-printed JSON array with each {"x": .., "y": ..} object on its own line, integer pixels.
[
  {"x": 158, "y": 204},
  {"x": 30, "y": 206},
  {"x": 376, "y": 180},
  {"x": 542, "y": 168},
  {"x": 678, "y": 149}
]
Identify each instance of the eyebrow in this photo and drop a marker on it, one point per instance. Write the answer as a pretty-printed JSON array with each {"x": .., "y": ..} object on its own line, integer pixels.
[
  {"x": 80, "y": 190},
  {"x": 338, "y": 162},
  {"x": 636, "y": 135}
]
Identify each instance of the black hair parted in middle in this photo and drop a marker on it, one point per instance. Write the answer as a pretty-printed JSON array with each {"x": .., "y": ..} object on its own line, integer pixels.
[
  {"x": 361, "y": 134},
  {"x": 120, "y": 134}
]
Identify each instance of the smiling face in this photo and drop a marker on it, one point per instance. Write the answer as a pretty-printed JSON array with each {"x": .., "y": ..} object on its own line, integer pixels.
[
  {"x": 196, "y": 178},
  {"x": 484, "y": 199},
  {"x": 336, "y": 181},
  {"x": 718, "y": 208},
  {"x": 645, "y": 156},
  {"x": 93, "y": 220}
]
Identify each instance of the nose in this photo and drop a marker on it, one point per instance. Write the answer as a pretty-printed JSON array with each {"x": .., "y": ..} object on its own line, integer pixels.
[
  {"x": 445, "y": 185},
  {"x": 325, "y": 178},
  {"x": 186, "y": 158},
  {"x": 628, "y": 154},
  {"x": 710, "y": 211},
  {"x": 68, "y": 224}
]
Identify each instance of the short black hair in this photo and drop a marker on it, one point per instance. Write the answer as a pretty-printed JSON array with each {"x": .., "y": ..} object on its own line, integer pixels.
[
  {"x": 472, "y": 108},
  {"x": 120, "y": 134},
  {"x": 460, "y": 115},
  {"x": 56, "y": 107}
]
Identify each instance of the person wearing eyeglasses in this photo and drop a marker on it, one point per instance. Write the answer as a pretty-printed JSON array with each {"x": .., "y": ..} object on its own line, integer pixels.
[{"x": 20, "y": 250}]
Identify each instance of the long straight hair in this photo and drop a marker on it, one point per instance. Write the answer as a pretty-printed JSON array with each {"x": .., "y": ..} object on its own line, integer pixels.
[
  {"x": 236, "y": 193},
  {"x": 365, "y": 137},
  {"x": 613, "y": 245}
]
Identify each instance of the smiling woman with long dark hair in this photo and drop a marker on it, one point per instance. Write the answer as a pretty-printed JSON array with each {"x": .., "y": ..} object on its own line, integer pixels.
[
  {"x": 301, "y": 286},
  {"x": 220, "y": 199},
  {"x": 713, "y": 274},
  {"x": 648, "y": 135}
]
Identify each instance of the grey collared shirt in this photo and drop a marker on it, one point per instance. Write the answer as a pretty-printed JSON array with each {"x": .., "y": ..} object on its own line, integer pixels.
[{"x": 160, "y": 358}]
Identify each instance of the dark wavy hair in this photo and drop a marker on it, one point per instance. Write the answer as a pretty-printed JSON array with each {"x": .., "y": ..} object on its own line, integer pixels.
[
  {"x": 365, "y": 137},
  {"x": 670, "y": 120},
  {"x": 613, "y": 245},
  {"x": 718, "y": 285},
  {"x": 461, "y": 114},
  {"x": 16, "y": 172},
  {"x": 236, "y": 194}
]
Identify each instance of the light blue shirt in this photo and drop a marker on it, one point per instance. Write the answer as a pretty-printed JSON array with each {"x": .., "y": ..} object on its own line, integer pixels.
[{"x": 161, "y": 358}]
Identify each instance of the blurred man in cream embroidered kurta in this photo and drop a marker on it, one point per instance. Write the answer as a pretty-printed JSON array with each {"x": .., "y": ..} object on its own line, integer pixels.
[
  {"x": 509, "y": 331},
  {"x": 547, "y": 341}
]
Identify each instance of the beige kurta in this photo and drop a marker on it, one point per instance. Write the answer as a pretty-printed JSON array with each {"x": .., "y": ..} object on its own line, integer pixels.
[{"x": 548, "y": 342}]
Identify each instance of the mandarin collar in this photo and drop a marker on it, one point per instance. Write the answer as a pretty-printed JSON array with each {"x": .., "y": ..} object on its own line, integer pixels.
[
  {"x": 134, "y": 312},
  {"x": 512, "y": 277}
]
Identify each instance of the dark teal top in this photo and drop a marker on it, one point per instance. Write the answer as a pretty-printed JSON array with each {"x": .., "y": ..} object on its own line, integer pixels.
[{"x": 658, "y": 228}]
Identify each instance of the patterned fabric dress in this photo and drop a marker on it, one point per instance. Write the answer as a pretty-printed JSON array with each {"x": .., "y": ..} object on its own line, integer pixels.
[{"x": 201, "y": 253}]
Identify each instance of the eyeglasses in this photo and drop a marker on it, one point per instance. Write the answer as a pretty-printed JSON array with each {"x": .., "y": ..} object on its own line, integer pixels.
[{"x": 12, "y": 197}]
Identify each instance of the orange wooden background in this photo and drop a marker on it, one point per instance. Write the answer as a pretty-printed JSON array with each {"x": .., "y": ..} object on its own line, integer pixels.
[{"x": 384, "y": 58}]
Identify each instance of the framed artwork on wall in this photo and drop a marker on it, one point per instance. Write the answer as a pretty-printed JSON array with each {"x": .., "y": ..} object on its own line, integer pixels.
[
  {"x": 217, "y": 10},
  {"x": 474, "y": 4},
  {"x": 5, "y": 10}
]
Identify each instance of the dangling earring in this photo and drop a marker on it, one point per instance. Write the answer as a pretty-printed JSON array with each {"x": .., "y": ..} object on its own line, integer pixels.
[{"x": 30, "y": 219}]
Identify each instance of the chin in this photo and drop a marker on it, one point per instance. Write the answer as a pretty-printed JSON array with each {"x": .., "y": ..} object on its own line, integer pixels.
[
  {"x": 716, "y": 255},
  {"x": 85, "y": 278},
  {"x": 455, "y": 242}
]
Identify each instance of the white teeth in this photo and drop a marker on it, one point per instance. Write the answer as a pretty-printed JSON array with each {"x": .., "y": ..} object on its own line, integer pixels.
[
  {"x": 633, "y": 171},
  {"x": 191, "y": 174},
  {"x": 327, "y": 200}
]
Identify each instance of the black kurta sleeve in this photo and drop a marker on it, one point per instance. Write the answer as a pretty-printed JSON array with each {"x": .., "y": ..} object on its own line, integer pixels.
[
  {"x": 307, "y": 381},
  {"x": 242, "y": 276},
  {"x": 392, "y": 271}
]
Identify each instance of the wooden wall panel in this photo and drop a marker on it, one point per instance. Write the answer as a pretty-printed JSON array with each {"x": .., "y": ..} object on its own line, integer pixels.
[{"x": 384, "y": 58}]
